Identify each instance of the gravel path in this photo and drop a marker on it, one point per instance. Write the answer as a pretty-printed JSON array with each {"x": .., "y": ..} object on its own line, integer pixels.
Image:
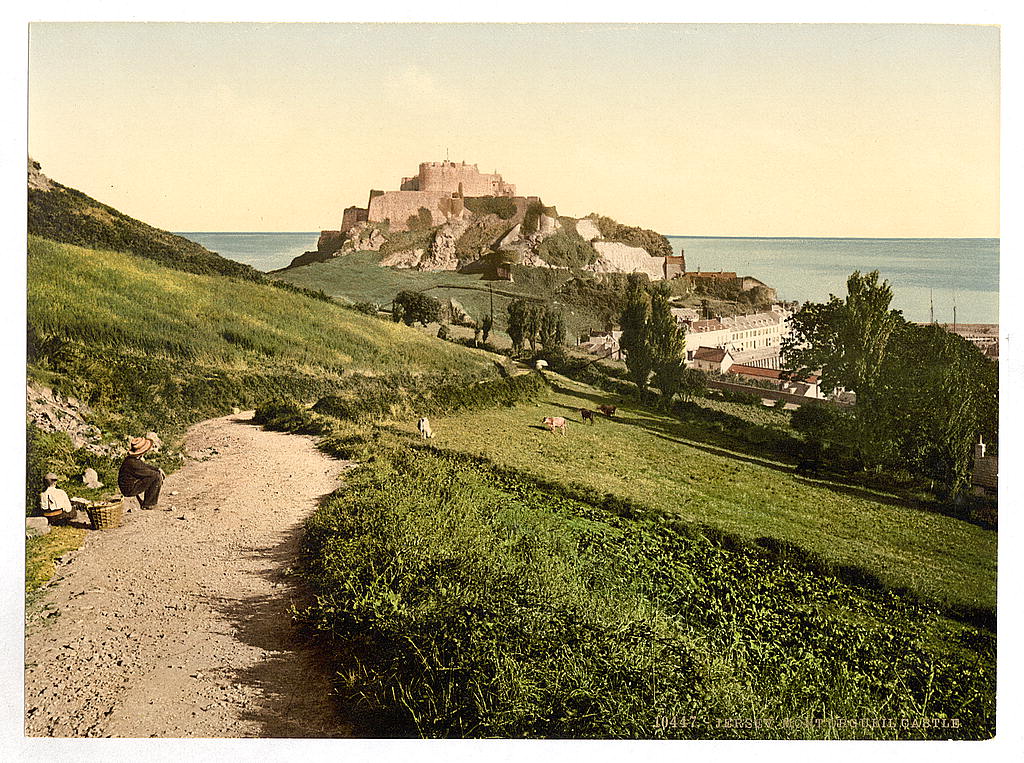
[{"x": 177, "y": 623}]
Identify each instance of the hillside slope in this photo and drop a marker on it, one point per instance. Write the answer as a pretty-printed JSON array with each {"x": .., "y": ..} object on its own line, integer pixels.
[
  {"x": 139, "y": 347},
  {"x": 69, "y": 216}
]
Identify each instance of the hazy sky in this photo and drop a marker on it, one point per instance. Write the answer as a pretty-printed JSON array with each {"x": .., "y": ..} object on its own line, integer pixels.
[{"x": 775, "y": 130}]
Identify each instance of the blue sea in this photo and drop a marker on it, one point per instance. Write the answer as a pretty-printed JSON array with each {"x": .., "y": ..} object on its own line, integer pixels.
[{"x": 947, "y": 271}]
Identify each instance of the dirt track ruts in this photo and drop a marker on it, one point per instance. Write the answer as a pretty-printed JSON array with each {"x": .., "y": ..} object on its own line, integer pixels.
[{"x": 177, "y": 624}]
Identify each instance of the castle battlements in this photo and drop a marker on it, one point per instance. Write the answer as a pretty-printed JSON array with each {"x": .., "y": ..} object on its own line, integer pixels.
[{"x": 436, "y": 191}]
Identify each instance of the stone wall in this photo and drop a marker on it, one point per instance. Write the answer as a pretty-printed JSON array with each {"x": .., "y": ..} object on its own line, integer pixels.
[
  {"x": 353, "y": 216},
  {"x": 398, "y": 206}
]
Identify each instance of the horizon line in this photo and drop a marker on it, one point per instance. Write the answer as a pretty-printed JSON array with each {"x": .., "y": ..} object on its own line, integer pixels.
[{"x": 667, "y": 235}]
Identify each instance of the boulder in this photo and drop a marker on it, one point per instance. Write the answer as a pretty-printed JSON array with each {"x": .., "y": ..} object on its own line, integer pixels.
[
  {"x": 157, "y": 442},
  {"x": 91, "y": 478},
  {"x": 36, "y": 526},
  {"x": 509, "y": 238}
]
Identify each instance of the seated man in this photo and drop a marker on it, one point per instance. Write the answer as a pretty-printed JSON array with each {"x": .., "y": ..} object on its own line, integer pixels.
[
  {"x": 137, "y": 478},
  {"x": 55, "y": 503}
]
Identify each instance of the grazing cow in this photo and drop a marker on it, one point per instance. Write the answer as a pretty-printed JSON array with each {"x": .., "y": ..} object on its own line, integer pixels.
[
  {"x": 587, "y": 414},
  {"x": 424, "y": 426},
  {"x": 607, "y": 410},
  {"x": 553, "y": 423}
]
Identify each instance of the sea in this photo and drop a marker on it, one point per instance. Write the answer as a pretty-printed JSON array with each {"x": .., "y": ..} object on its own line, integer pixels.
[{"x": 929, "y": 276}]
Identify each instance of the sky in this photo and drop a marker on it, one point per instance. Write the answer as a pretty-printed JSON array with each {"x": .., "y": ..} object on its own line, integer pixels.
[{"x": 734, "y": 130}]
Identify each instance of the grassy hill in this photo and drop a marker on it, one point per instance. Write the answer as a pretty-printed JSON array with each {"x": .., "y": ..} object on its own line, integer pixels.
[
  {"x": 150, "y": 348},
  {"x": 69, "y": 216}
]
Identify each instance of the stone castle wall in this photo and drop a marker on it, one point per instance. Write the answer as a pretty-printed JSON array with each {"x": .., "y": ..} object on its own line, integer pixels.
[
  {"x": 462, "y": 178},
  {"x": 398, "y": 206},
  {"x": 352, "y": 216}
]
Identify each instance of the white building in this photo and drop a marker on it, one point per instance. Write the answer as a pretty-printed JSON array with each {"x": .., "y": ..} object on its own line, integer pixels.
[{"x": 752, "y": 340}]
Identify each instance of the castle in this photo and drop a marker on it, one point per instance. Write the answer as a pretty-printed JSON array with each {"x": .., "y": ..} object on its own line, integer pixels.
[{"x": 431, "y": 197}]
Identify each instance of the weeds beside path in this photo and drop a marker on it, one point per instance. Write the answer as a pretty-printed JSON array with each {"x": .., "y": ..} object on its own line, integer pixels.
[{"x": 177, "y": 624}]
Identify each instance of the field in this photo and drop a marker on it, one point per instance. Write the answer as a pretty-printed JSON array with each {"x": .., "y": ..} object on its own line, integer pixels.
[
  {"x": 688, "y": 470},
  {"x": 642, "y": 577},
  {"x": 461, "y": 599}
]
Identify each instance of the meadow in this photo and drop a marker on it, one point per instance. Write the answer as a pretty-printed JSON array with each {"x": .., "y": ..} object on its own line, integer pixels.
[
  {"x": 689, "y": 469},
  {"x": 457, "y": 598}
]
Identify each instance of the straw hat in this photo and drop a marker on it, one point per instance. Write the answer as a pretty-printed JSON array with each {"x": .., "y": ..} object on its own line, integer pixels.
[{"x": 139, "y": 445}]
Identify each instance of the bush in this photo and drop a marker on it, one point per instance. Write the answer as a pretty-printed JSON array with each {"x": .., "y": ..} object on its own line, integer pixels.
[
  {"x": 567, "y": 249},
  {"x": 655, "y": 243}
]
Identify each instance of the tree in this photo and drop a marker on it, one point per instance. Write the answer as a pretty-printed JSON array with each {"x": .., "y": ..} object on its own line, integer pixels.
[
  {"x": 847, "y": 340},
  {"x": 414, "y": 306},
  {"x": 635, "y": 342},
  {"x": 533, "y": 318},
  {"x": 516, "y": 328},
  {"x": 667, "y": 340},
  {"x": 924, "y": 395},
  {"x": 552, "y": 330},
  {"x": 692, "y": 382}
]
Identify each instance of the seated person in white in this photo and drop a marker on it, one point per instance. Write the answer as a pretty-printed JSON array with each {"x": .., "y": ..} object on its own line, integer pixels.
[{"x": 55, "y": 503}]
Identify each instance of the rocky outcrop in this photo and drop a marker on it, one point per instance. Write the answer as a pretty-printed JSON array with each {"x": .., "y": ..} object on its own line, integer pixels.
[
  {"x": 52, "y": 412},
  {"x": 615, "y": 257},
  {"x": 308, "y": 258},
  {"x": 330, "y": 241},
  {"x": 36, "y": 179},
  {"x": 363, "y": 238},
  {"x": 441, "y": 253},
  {"x": 408, "y": 258}
]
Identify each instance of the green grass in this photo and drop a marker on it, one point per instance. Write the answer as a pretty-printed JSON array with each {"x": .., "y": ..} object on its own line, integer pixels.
[
  {"x": 358, "y": 278},
  {"x": 106, "y": 300},
  {"x": 40, "y": 553},
  {"x": 461, "y": 599},
  {"x": 686, "y": 471}
]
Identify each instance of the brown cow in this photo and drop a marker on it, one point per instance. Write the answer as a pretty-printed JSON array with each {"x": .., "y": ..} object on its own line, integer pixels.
[
  {"x": 554, "y": 422},
  {"x": 607, "y": 410},
  {"x": 587, "y": 414}
]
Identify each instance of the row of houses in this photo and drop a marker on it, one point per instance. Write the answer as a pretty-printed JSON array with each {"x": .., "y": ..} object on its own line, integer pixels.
[
  {"x": 752, "y": 340},
  {"x": 745, "y": 346}
]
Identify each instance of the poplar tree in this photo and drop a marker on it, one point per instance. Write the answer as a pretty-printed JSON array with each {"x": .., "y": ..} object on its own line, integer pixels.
[
  {"x": 635, "y": 340},
  {"x": 667, "y": 340}
]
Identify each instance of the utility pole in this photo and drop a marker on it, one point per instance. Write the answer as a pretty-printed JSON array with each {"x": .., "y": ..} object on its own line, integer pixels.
[{"x": 490, "y": 288}]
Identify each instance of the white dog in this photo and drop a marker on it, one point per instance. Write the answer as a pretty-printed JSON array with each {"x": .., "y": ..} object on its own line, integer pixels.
[{"x": 424, "y": 426}]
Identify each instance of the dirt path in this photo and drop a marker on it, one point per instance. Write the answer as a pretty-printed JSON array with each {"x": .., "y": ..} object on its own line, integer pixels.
[{"x": 177, "y": 623}]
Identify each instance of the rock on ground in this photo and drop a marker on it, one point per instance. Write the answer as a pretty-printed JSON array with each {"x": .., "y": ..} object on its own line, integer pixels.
[{"x": 177, "y": 624}]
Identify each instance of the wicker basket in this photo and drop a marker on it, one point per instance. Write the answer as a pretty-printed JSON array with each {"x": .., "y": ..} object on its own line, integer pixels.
[{"x": 104, "y": 516}]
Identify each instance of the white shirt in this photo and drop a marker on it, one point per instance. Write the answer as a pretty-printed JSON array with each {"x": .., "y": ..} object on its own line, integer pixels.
[{"x": 54, "y": 499}]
